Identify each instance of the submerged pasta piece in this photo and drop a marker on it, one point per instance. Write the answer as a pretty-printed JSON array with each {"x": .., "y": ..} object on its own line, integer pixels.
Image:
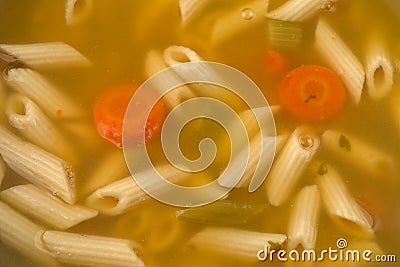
[
  {"x": 238, "y": 20},
  {"x": 157, "y": 61},
  {"x": 190, "y": 9},
  {"x": 236, "y": 243},
  {"x": 378, "y": 69},
  {"x": 340, "y": 58},
  {"x": 3, "y": 169},
  {"x": 293, "y": 159},
  {"x": 299, "y": 10},
  {"x": 110, "y": 168},
  {"x": 46, "y": 55},
  {"x": 77, "y": 10},
  {"x": 38, "y": 166},
  {"x": 340, "y": 204},
  {"x": 117, "y": 197},
  {"x": 303, "y": 223},
  {"x": 271, "y": 144},
  {"x": 91, "y": 250},
  {"x": 50, "y": 98},
  {"x": 351, "y": 149},
  {"x": 21, "y": 234},
  {"x": 24, "y": 115},
  {"x": 45, "y": 207},
  {"x": 174, "y": 55},
  {"x": 2, "y": 101}
]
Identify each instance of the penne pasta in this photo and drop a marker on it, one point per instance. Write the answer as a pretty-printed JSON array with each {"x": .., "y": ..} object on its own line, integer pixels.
[
  {"x": 293, "y": 159},
  {"x": 47, "y": 55},
  {"x": 35, "y": 86},
  {"x": 394, "y": 106},
  {"x": 378, "y": 70},
  {"x": 46, "y": 208},
  {"x": 24, "y": 115},
  {"x": 3, "y": 169},
  {"x": 238, "y": 20},
  {"x": 111, "y": 168},
  {"x": 340, "y": 58},
  {"x": 21, "y": 234},
  {"x": 174, "y": 55},
  {"x": 91, "y": 250},
  {"x": 38, "y": 166},
  {"x": 82, "y": 133},
  {"x": 270, "y": 144},
  {"x": 298, "y": 10},
  {"x": 303, "y": 222},
  {"x": 2, "y": 101},
  {"x": 117, "y": 197},
  {"x": 352, "y": 150},
  {"x": 240, "y": 244},
  {"x": 156, "y": 61},
  {"x": 190, "y": 9},
  {"x": 170, "y": 231},
  {"x": 341, "y": 206},
  {"x": 77, "y": 10}
]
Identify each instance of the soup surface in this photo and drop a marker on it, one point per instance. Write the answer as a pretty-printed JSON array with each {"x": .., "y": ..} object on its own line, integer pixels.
[{"x": 116, "y": 37}]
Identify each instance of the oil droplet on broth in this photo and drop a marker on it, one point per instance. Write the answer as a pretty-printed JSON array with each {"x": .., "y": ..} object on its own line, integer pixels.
[
  {"x": 328, "y": 6},
  {"x": 247, "y": 13},
  {"x": 306, "y": 141}
]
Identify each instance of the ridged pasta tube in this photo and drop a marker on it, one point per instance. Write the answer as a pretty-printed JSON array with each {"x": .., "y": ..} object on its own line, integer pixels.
[
  {"x": 340, "y": 58},
  {"x": 237, "y": 243},
  {"x": 156, "y": 61},
  {"x": 38, "y": 88},
  {"x": 298, "y": 10},
  {"x": 77, "y": 10},
  {"x": 38, "y": 166},
  {"x": 190, "y": 9},
  {"x": 110, "y": 168},
  {"x": 46, "y": 208},
  {"x": 91, "y": 250},
  {"x": 293, "y": 159},
  {"x": 47, "y": 55},
  {"x": 342, "y": 207},
  {"x": 351, "y": 149},
  {"x": 119, "y": 196},
  {"x": 303, "y": 222},
  {"x": 3, "y": 169},
  {"x": 21, "y": 234},
  {"x": 24, "y": 115},
  {"x": 378, "y": 70}
]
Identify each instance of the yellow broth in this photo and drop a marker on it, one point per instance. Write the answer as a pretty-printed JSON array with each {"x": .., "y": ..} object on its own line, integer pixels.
[{"x": 116, "y": 37}]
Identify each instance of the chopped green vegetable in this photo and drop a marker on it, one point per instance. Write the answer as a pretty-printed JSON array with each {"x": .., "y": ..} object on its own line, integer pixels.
[
  {"x": 274, "y": 245},
  {"x": 285, "y": 34},
  {"x": 345, "y": 143},
  {"x": 322, "y": 169},
  {"x": 223, "y": 213}
]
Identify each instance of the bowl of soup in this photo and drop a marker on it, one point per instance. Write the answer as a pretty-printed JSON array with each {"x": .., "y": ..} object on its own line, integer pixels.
[{"x": 199, "y": 133}]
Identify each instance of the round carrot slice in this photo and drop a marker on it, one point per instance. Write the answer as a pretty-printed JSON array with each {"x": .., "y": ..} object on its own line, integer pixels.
[
  {"x": 312, "y": 93},
  {"x": 109, "y": 111}
]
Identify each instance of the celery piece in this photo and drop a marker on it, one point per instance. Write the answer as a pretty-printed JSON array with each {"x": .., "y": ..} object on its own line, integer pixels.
[
  {"x": 285, "y": 34},
  {"x": 223, "y": 213}
]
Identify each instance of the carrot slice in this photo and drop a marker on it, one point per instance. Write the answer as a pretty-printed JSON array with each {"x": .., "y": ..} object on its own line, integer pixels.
[
  {"x": 109, "y": 111},
  {"x": 276, "y": 63},
  {"x": 312, "y": 93}
]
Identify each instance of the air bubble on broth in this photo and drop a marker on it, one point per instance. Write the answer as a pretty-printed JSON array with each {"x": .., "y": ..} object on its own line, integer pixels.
[{"x": 247, "y": 13}]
